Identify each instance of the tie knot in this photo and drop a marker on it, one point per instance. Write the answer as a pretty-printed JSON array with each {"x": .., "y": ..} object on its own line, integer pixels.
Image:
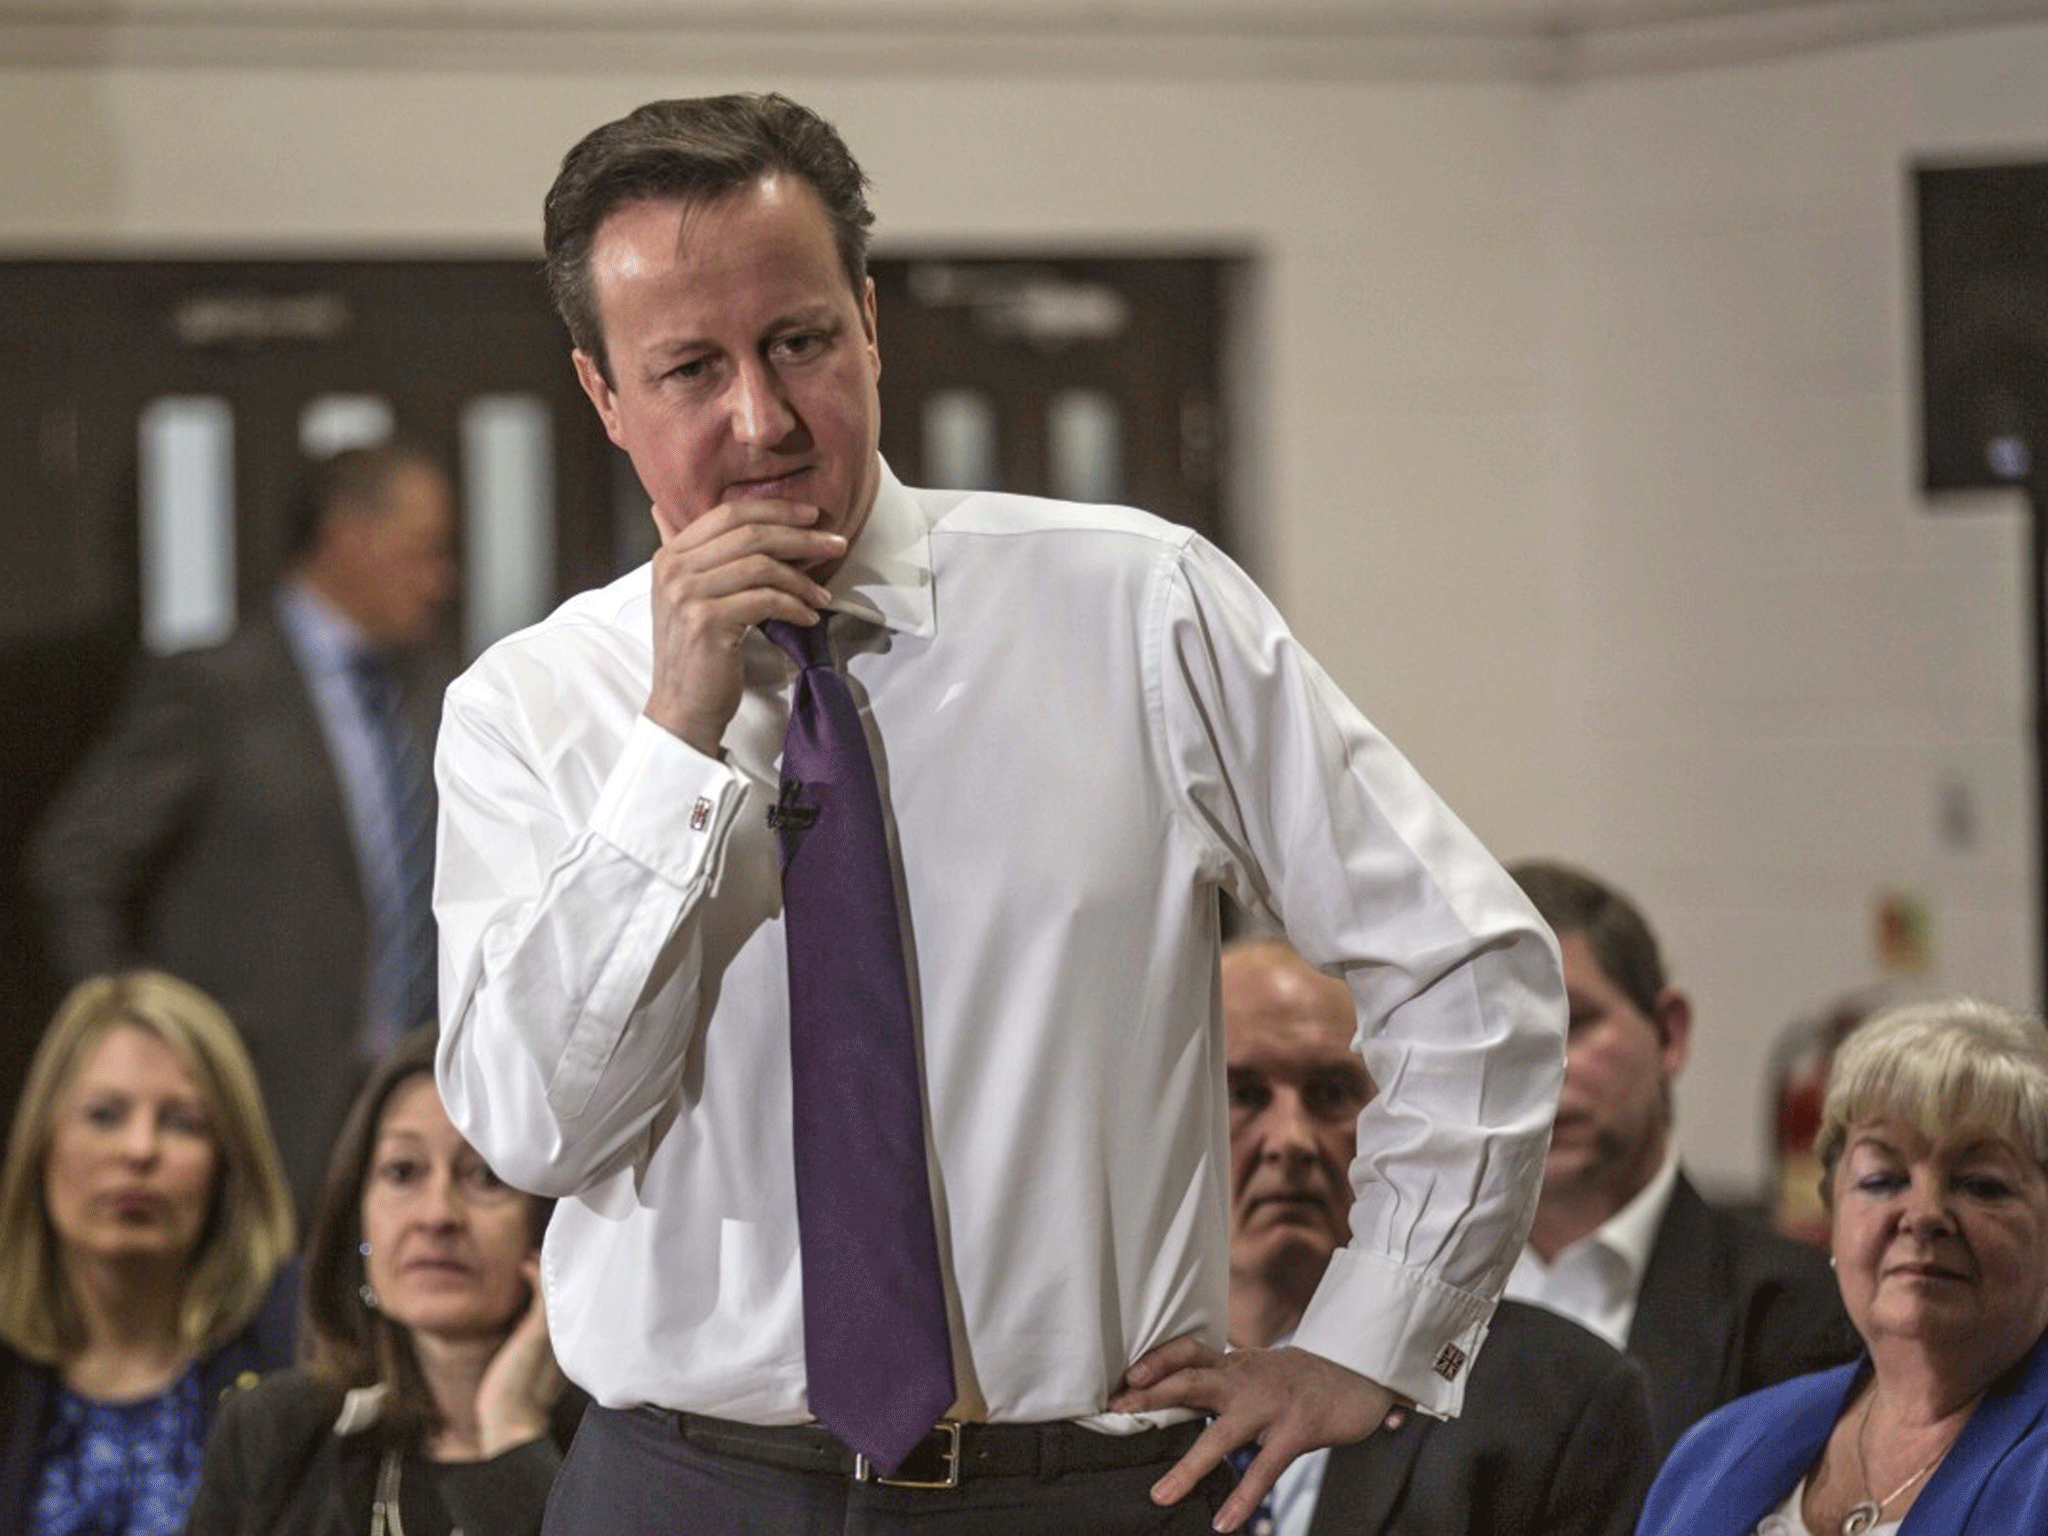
[{"x": 802, "y": 644}]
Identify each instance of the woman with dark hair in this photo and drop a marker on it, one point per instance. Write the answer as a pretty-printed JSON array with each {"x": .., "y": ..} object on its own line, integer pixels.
[
  {"x": 145, "y": 1242},
  {"x": 1934, "y": 1142},
  {"x": 429, "y": 1401}
]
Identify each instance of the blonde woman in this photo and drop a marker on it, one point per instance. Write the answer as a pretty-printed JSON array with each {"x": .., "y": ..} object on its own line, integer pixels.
[
  {"x": 1934, "y": 1142},
  {"x": 145, "y": 1239}
]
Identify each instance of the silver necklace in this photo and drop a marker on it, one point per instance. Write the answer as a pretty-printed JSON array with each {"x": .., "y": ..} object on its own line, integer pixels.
[
  {"x": 384, "y": 1519},
  {"x": 1866, "y": 1511}
]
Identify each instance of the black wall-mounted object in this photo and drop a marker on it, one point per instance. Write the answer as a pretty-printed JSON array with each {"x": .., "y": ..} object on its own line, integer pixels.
[
  {"x": 1983, "y": 246},
  {"x": 1983, "y": 251}
]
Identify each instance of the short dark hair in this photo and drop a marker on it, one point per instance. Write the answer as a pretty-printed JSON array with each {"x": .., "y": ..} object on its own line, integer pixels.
[
  {"x": 1572, "y": 901},
  {"x": 693, "y": 150},
  {"x": 352, "y": 478},
  {"x": 346, "y": 1342}
]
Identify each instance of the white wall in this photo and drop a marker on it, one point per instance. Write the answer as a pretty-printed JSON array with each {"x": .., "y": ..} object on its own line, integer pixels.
[
  {"x": 1781, "y": 662},
  {"x": 1584, "y": 439}
]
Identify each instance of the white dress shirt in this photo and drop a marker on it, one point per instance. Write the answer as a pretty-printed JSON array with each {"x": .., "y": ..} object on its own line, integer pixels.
[
  {"x": 1595, "y": 1281},
  {"x": 1085, "y": 722},
  {"x": 1300, "y": 1485}
]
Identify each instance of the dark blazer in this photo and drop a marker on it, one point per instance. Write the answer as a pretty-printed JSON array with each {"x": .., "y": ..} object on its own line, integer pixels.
[
  {"x": 28, "y": 1391},
  {"x": 1728, "y": 1306},
  {"x": 1554, "y": 1441},
  {"x": 275, "y": 1467},
  {"x": 1740, "y": 1462},
  {"x": 205, "y": 833}
]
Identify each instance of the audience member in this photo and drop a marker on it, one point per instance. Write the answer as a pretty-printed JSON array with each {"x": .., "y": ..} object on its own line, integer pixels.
[
  {"x": 1555, "y": 1436},
  {"x": 430, "y": 1401},
  {"x": 1934, "y": 1150},
  {"x": 145, "y": 1242},
  {"x": 874, "y": 824},
  {"x": 258, "y": 816},
  {"x": 1713, "y": 1304}
]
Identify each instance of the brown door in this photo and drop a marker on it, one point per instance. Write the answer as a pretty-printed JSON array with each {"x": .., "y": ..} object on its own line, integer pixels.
[
  {"x": 94, "y": 347},
  {"x": 1095, "y": 378},
  {"x": 1091, "y": 378}
]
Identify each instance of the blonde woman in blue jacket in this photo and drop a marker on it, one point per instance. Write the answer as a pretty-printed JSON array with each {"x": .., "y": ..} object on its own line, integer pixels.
[{"x": 1934, "y": 1147}]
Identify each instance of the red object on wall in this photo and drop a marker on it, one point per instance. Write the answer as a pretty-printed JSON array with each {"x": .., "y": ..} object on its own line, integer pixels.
[{"x": 1798, "y": 1089}]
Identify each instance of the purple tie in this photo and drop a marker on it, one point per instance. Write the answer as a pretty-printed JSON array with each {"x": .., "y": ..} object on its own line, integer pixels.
[{"x": 878, "y": 1358}]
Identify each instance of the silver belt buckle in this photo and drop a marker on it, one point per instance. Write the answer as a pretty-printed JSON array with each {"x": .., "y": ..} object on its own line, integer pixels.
[{"x": 948, "y": 1456}]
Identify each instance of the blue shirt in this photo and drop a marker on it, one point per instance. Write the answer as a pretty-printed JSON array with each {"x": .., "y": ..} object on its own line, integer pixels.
[
  {"x": 120, "y": 1469},
  {"x": 326, "y": 645}
]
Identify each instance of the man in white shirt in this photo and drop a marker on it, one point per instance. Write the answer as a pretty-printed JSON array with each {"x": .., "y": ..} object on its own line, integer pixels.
[
  {"x": 1713, "y": 1305},
  {"x": 1554, "y": 1439},
  {"x": 1086, "y": 723}
]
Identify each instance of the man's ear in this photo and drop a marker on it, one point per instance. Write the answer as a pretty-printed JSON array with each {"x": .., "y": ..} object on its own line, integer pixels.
[
  {"x": 601, "y": 394},
  {"x": 1673, "y": 1018}
]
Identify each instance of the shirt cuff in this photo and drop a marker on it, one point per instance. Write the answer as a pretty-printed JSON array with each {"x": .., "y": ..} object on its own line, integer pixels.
[
  {"x": 666, "y": 805},
  {"x": 1412, "y": 1334}
]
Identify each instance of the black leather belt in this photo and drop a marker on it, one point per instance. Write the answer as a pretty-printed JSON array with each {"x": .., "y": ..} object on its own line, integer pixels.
[{"x": 951, "y": 1454}]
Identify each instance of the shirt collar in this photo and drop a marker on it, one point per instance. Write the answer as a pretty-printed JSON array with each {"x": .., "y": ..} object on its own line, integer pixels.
[
  {"x": 321, "y": 633},
  {"x": 1631, "y": 1231},
  {"x": 361, "y": 1408},
  {"x": 886, "y": 577}
]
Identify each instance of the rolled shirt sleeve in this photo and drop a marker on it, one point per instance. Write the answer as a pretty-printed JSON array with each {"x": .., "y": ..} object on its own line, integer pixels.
[{"x": 1326, "y": 830}]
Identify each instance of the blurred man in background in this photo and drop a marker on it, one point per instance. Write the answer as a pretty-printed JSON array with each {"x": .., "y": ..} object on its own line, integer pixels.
[
  {"x": 257, "y": 817},
  {"x": 1713, "y": 1305}
]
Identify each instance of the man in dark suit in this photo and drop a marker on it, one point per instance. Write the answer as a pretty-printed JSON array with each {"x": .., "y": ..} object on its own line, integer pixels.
[
  {"x": 1555, "y": 1433},
  {"x": 257, "y": 817},
  {"x": 1714, "y": 1305}
]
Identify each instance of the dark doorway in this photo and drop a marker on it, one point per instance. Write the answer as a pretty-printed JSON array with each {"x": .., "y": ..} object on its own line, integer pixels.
[
  {"x": 1090, "y": 378},
  {"x": 1096, "y": 378},
  {"x": 100, "y": 347}
]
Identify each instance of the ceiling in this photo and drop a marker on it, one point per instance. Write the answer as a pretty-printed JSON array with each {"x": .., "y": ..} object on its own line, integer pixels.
[{"x": 1308, "y": 39}]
